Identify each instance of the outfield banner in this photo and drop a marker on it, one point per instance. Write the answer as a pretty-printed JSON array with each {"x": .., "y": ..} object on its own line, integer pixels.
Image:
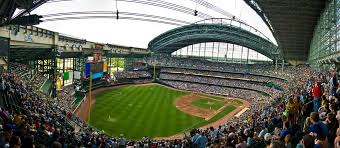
[
  {"x": 77, "y": 75},
  {"x": 59, "y": 83},
  {"x": 66, "y": 75},
  {"x": 87, "y": 69},
  {"x": 71, "y": 75},
  {"x": 105, "y": 66},
  {"x": 97, "y": 75}
]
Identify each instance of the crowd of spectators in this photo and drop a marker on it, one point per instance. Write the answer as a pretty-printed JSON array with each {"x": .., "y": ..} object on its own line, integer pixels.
[
  {"x": 289, "y": 72},
  {"x": 221, "y": 81},
  {"x": 29, "y": 74},
  {"x": 29, "y": 119},
  {"x": 293, "y": 74},
  {"x": 131, "y": 74},
  {"x": 21, "y": 70},
  {"x": 141, "y": 81},
  {"x": 249, "y": 77},
  {"x": 65, "y": 97},
  {"x": 250, "y": 95},
  {"x": 38, "y": 80}
]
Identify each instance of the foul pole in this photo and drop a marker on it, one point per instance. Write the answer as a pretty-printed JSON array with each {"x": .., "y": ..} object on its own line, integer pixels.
[
  {"x": 90, "y": 98},
  {"x": 154, "y": 72}
]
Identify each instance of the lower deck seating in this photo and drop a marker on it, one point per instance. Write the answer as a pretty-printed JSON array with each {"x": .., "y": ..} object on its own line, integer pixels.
[{"x": 281, "y": 121}]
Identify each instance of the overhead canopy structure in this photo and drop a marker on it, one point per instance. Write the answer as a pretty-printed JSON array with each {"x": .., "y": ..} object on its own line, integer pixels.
[
  {"x": 8, "y": 7},
  {"x": 24, "y": 53},
  {"x": 132, "y": 55},
  {"x": 214, "y": 30},
  {"x": 21, "y": 53},
  {"x": 292, "y": 23},
  {"x": 70, "y": 54}
]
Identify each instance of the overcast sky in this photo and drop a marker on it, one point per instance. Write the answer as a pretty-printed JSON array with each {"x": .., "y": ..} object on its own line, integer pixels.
[{"x": 132, "y": 32}]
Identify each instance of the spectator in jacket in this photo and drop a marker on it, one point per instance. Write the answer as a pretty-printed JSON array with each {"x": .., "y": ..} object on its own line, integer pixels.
[{"x": 317, "y": 93}]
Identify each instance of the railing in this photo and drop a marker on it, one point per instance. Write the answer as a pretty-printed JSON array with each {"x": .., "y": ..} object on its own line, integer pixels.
[{"x": 78, "y": 104}]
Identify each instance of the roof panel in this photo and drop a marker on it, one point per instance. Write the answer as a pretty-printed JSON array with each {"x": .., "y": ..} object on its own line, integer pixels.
[{"x": 293, "y": 23}]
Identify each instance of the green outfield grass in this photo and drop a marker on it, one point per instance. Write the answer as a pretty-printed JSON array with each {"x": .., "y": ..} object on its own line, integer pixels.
[
  {"x": 138, "y": 111},
  {"x": 207, "y": 103}
]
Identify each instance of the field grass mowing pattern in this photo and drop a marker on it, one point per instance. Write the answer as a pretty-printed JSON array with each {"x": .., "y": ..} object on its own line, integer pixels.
[{"x": 138, "y": 111}]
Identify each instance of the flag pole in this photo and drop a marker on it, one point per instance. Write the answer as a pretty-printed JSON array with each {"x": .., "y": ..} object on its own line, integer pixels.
[{"x": 90, "y": 98}]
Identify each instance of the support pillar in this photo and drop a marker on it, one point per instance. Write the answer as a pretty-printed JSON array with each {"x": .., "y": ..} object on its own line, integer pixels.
[
  {"x": 218, "y": 52},
  {"x": 275, "y": 64},
  {"x": 53, "y": 76},
  {"x": 63, "y": 71},
  {"x": 226, "y": 55},
  {"x": 73, "y": 69},
  {"x": 180, "y": 53},
  {"x": 212, "y": 52},
  {"x": 199, "y": 50},
  {"x": 187, "y": 51},
  {"x": 241, "y": 54},
  {"x": 247, "y": 55},
  {"x": 283, "y": 63},
  {"x": 192, "y": 50},
  {"x": 116, "y": 59},
  {"x": 205, "y": 48},
  {"x": 232, "y": 54},
  {"x": 110, "y": 65}
]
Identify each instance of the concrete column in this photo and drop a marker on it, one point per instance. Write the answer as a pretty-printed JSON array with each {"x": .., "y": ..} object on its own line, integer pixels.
[
  {"x": 283, "y": 63},
  {"x": 192, "y": 50},
  {"x": 232, "y": 54},
  {"x": 212, "y": 51},
  {"x": 56, "y": 38},
  {"x": 180, "y": 53},
  {"x": 55, "y": 42},
  {"x": 226, "y": 55},
  {"x": 199, "y": 50},
  {"x": 205, "y": 48},
  {"x": 218, "y": 52},
  {"x": 63, "y": 71},
  {"x": 241, "y": 53},
  {"x": 275, "y": 64},
  {"x": 187, "y": 51},
  {"x": 247, "y": 55}
]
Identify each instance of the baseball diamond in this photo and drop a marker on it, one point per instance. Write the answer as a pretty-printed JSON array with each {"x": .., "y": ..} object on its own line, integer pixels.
[{"x": 151, "y": 110}]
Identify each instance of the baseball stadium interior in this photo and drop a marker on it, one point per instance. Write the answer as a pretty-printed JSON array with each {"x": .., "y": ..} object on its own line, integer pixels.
[{"x": 169, "y": 73}]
